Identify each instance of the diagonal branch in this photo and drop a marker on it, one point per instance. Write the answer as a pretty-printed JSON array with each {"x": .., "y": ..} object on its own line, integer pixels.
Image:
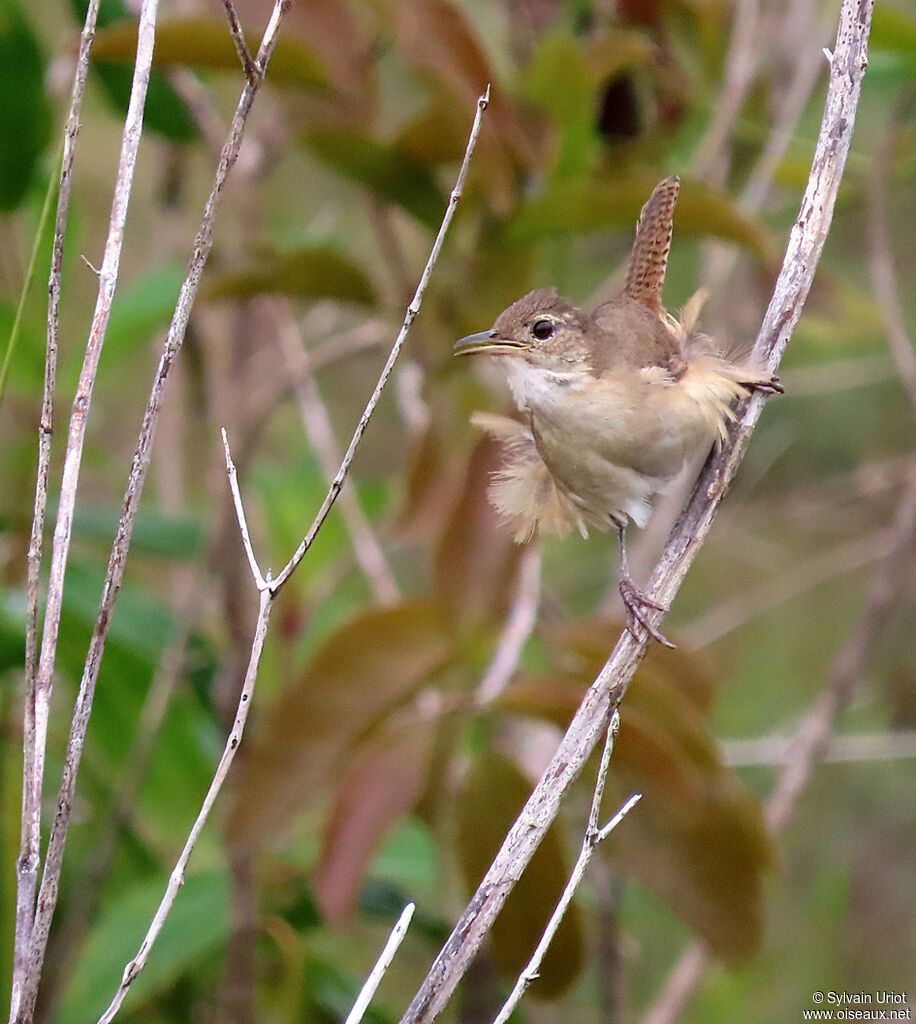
[
  {"x": 412, "y": 310},
  {"x": 805, "y": 245}
]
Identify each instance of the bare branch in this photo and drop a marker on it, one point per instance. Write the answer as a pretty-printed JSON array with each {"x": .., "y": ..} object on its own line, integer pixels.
[
  {"x": 47, "y": 898},
  {"x": 176, "y": 880},
  {"x": 412, "y": 310},
  {"x": 382, "y": 964},
  {"x": 30, "y": 944},
  {"x": 28, "y": 861},
  {"x": 268, "y": 591},
  {"x": 803, "y": 252},
  {"x": 252, "y": 70}
]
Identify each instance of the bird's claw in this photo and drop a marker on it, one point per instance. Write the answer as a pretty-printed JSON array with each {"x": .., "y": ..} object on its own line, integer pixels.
[
  {"x": 773, "y": 386},
  {"x": 636, "y": 602}
]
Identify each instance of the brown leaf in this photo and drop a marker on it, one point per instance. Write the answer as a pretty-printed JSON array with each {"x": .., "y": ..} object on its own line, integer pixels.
[
  {"x": 436, "y": 38},
  {"x": 368, "y": 667},
  {"x": 698, "y": 839},
  {"x": 383, "y": 780},
  {"x": 476, "y": 557},
  {"x": 433, "y": 483},
  {"x": 493, "y": 794},
  {"x": 342, "y": 41}
]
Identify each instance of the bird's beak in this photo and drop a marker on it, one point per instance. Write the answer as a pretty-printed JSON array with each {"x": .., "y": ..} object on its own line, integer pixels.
[{"x": 487, "y": 342}]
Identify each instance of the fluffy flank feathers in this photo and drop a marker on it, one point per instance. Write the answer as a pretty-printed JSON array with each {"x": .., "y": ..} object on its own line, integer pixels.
[{"x": 524, "y": 491}]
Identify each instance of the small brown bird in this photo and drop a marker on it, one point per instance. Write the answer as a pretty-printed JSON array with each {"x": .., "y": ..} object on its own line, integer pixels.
[{"x": 614, "y": 403}]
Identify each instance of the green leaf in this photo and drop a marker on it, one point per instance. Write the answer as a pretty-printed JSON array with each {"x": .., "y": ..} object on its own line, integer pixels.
[
  {"x": 559, "y": 80},
  {"x": 25, "y": 115},
  {"x": 311, "y": 273},
  {"x": 893, "y": 29},
  {"x": 583, "y": 207},
  {"x": 155, "y": 533},
  {"x": 206, "y": 43},
  {"x": 385, "y": 169},
  {"x": 196, "y": 926},
  {"x": 365, "y": 669},
  {"x": 143, "y": 307},
  {"x": 493, "y": 794}
]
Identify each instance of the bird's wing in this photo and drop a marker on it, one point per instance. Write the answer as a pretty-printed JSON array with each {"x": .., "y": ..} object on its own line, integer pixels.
[{"x": 649, "y": 258}]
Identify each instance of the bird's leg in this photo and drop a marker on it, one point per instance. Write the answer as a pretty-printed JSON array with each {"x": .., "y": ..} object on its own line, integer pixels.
[{"x": 634, "y": 600}]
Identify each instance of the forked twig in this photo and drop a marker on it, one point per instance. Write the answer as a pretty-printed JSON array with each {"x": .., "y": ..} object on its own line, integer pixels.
[
  {"x": 269, "y": 588},
  {"x": 24, "y": 995},
  {"x": 594, "y": 836}
]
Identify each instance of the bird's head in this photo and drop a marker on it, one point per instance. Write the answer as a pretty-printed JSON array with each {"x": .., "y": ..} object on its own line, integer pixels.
[{"x": 541, "y": 328}]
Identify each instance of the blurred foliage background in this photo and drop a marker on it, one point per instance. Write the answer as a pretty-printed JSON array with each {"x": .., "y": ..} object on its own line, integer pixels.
[{"x": 376, "y": 770}]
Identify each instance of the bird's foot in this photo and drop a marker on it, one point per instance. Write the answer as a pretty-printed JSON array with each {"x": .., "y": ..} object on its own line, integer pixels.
[{"x": 636, "y": 604}]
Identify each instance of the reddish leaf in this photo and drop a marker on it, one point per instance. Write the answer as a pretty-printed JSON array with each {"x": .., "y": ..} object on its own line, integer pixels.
[
  {"x": 382, "y": 781},
  {"x": 489, "y": 803},
  {"x": 366, "y": 668},
  {"x": 433, "y": 482},
  {"x": 476, "y": 557}
]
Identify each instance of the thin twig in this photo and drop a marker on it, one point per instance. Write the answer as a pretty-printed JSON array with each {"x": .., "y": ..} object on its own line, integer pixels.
[
  {"x": 252, "y": 70},
  {"x": 240, "y": 513},
  {"x": 320, "y": 436},
  {"x": 592, "y": 839},
  {"x": 856, "y": 748},
  {"x": 47, "y": 898},
  {"x": 29, "y": 858},
  {"x": 412, "y": 310},
  {"x": 268, "y": 589},
  {"x": 382, "y": 964},
  {"x": 519, "y": 624},
  {"x": 803, "y": 252},
  {"x": 95, "y": 869}
]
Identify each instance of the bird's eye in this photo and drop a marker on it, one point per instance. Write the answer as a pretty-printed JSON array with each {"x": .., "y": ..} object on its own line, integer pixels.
[{"x": 542, "y": 329}]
